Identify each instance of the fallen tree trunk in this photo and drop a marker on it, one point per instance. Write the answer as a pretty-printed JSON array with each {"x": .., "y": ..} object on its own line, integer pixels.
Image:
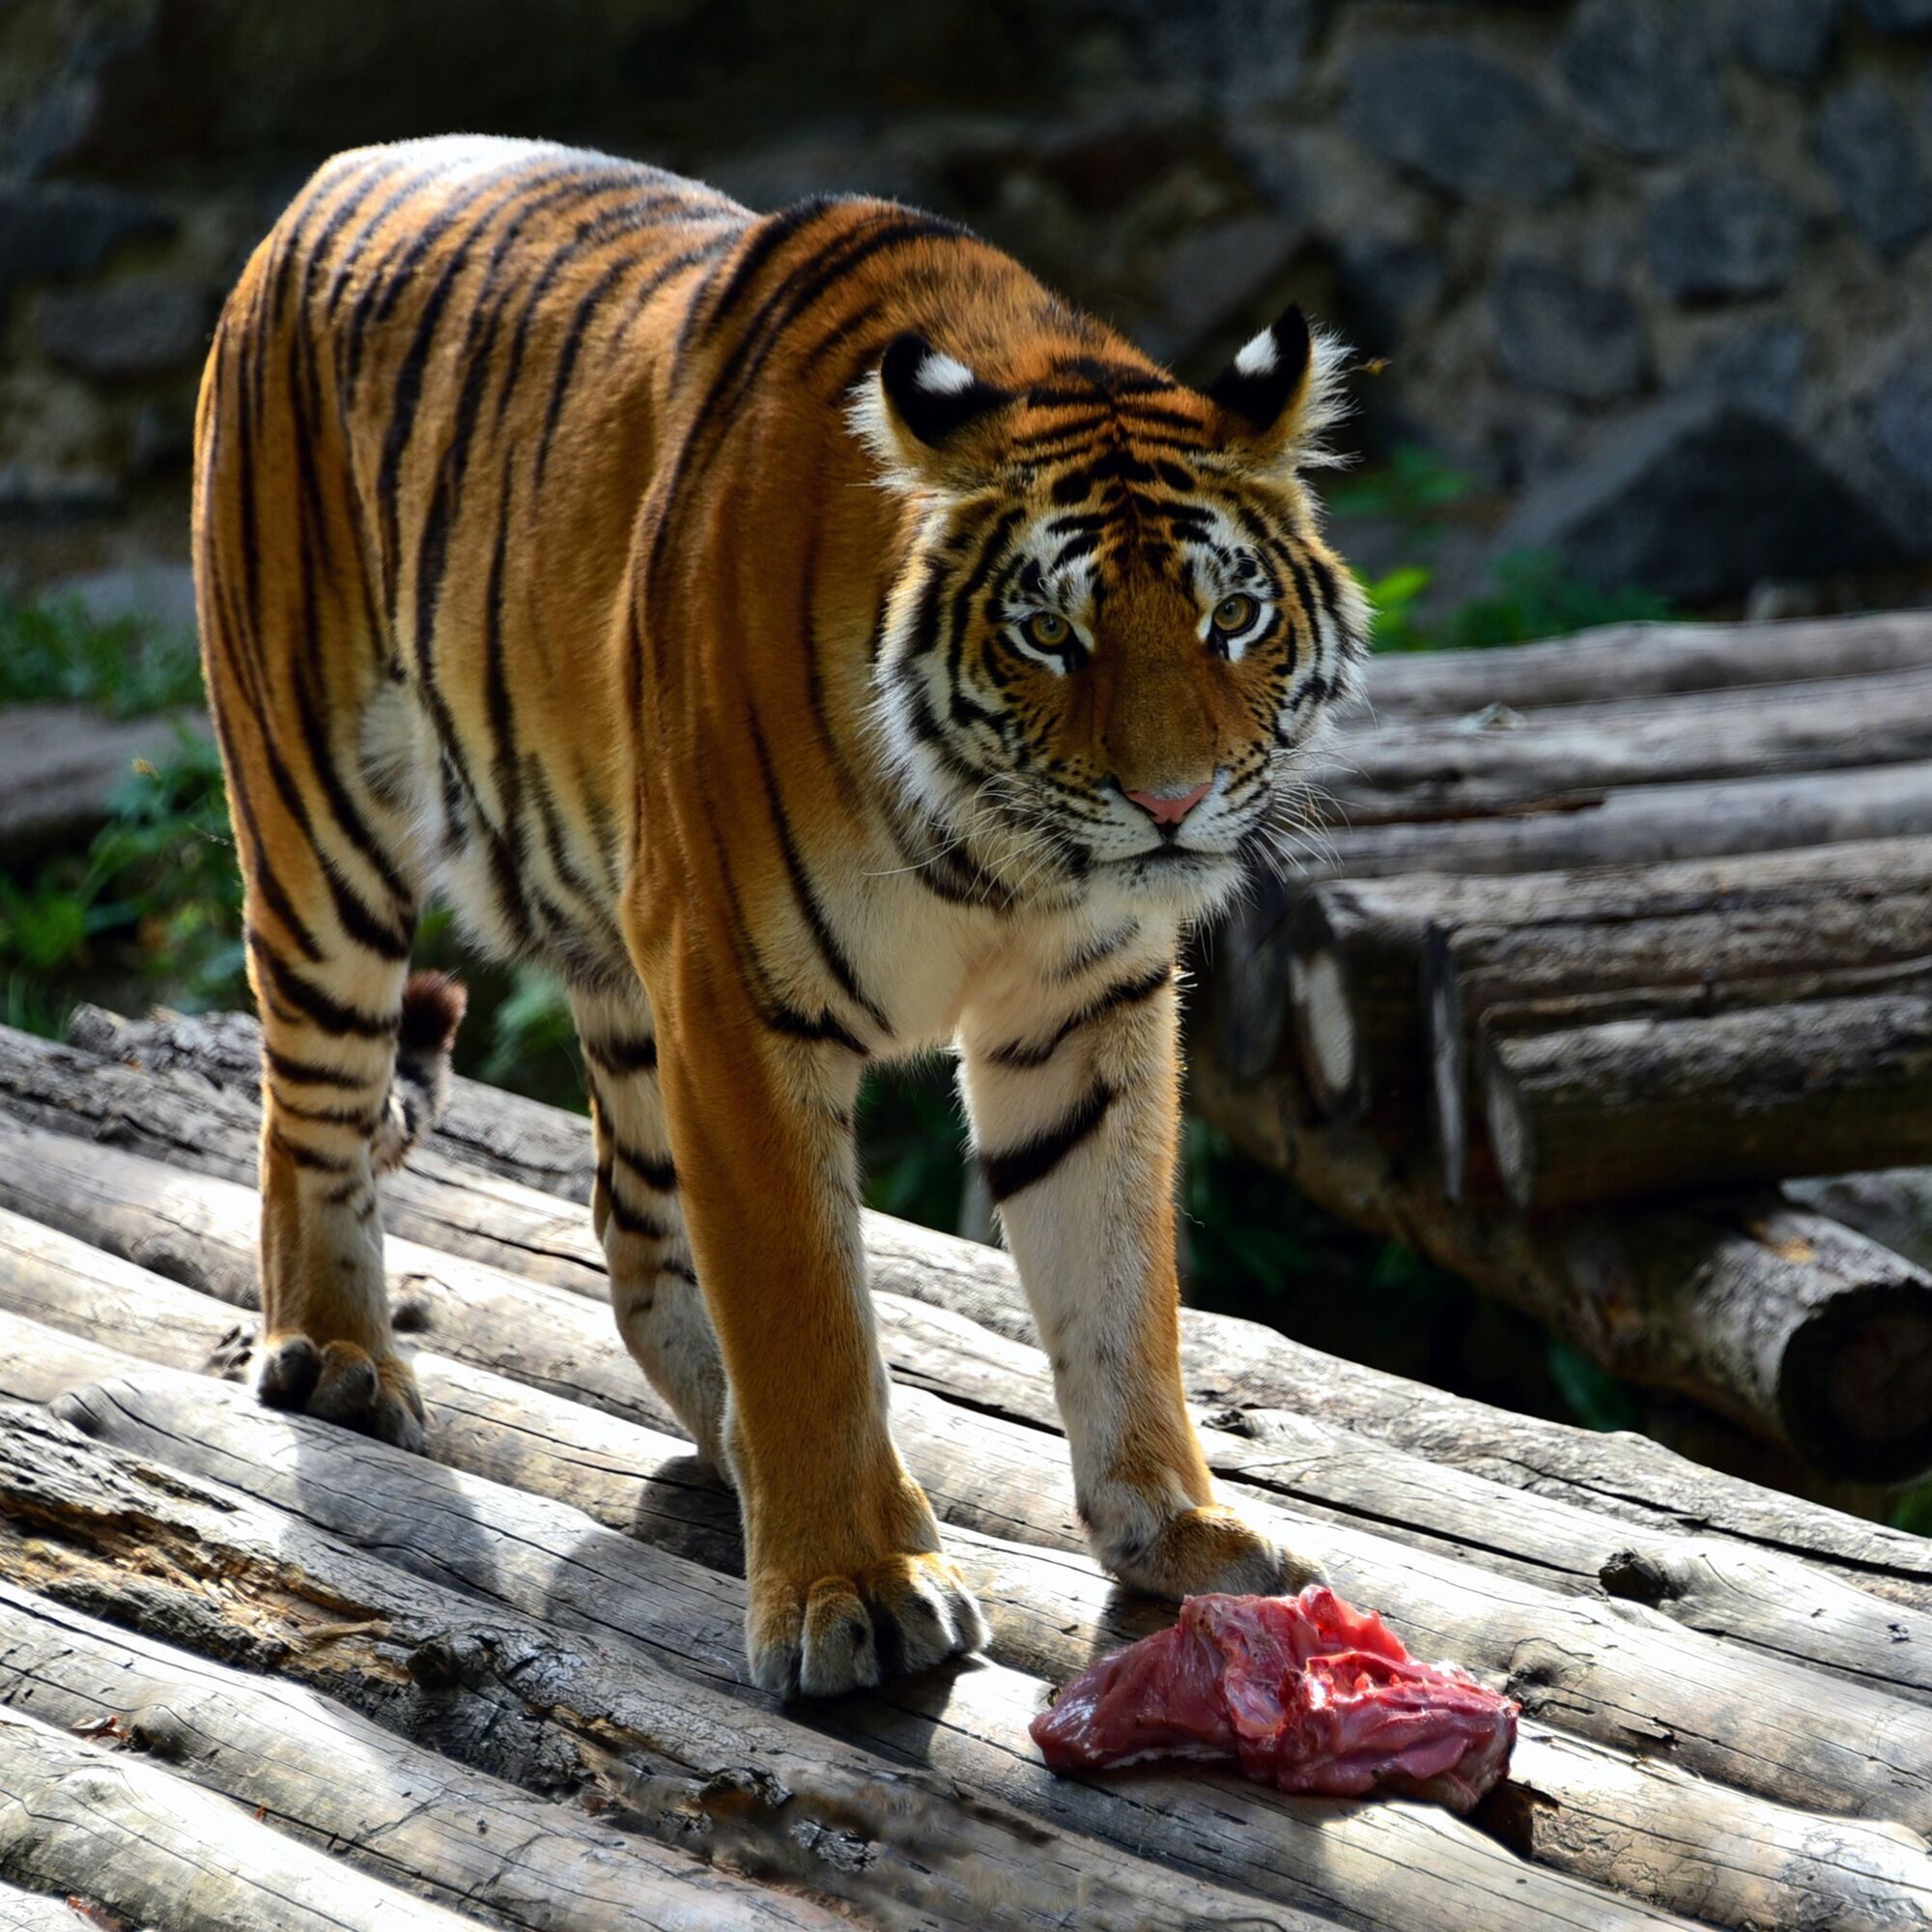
[
  {"x": 429, "y": 1826},
  {"x": 1646, "y": 825},
  {"x": 1236, "y": 1366},
  {"x": 600, "y": 1718},
  {"x": 539, "y": 1557},
  {"x": 1666, "y": 1101},
  {"x": 1565, "y": 756},
  {"x": 1894, "y": 1208},
  {"x": 1626, "y": 661},
  {"x": 1796, "y": 949},
  {"x": 39, "y": 1911},
  {"x": 154, "y": 1848},
  {"x": 52, "y": 1277}
]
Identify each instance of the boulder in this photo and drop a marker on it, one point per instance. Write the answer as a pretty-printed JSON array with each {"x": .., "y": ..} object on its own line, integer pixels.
[
  {"x": 1759, "y": 366},
  {"x": 1642, "y": 75},
  {"x": 1866, "y": 147},
  {"x": 124, "y": 330},
  {"x": 1790, "y": 39},
  {"x": 1723, "y": 231},
  {"x": 1462, "y": 122},
  {"x": 50, "y": 232},
  {"x": 1574, "y": 338},
  {"x": 1901, "y": 417},
  {"x": 1699, "y": 498},
  {"x": 1899, "y": 16},
  {"x": 1389, "y": 287}
]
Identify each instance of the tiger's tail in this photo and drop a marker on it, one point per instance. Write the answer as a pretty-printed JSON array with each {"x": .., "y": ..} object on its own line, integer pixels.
[{"x": 433, "y": 1008}]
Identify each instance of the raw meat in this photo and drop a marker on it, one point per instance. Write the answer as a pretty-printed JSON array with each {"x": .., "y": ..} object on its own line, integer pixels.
[{"x": 1303, "y": 1693}]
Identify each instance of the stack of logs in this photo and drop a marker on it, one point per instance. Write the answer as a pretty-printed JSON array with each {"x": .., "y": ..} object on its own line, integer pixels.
[{"x": 1594, "y": 935}]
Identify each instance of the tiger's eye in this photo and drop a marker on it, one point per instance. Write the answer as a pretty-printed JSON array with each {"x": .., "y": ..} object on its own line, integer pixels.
[
  {"x": 1048, "y": 629},
  {"x": 1234, "y": 614}
]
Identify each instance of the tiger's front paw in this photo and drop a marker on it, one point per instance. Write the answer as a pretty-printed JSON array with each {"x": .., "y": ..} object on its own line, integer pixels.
[
  {"x": 1209, "y": 1549},
  {"x": 816, "y": 1636},
  {"x": 372, "y": 1394}
]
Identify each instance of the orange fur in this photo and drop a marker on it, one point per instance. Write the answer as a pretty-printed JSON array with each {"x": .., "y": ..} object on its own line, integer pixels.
[{"x": 564, "y": 543}]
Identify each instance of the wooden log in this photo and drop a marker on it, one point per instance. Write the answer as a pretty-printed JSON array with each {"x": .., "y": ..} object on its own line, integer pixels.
[
  {"x": 156, "y": 1849},
  {"x": 533, "y": 1556},
  {"x": 397, "y": 1811},
  {"x": 685, "y": 1760},
  {"x": 1238, "y": 1368},
  {"x": 1363, "y": 941},
  {"x": 1894, "y": 1208},
  {"x": 1645, "y": 825},
  {"x": 1626, "y": 661},
  {"x": 1742, "y": 1719},
  {"x": 1666, "y": 1101},
  {"x": 1559, "y": 758},
  {"x": 42, "y": 1912},
  {"x": 1656, "y": 1294},
  {"x": 1750, "y": 1596},
  {"x": 1813, "y": 944}
]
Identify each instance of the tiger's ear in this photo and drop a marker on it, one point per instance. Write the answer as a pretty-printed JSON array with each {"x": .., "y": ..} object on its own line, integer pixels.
[
  {"x": 920, "y": 414},
  {"x": 1283, "y": 391}
]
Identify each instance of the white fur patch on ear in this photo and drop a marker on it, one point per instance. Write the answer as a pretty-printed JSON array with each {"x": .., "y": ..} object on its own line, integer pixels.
[
  {"x": 944, "y": 375},
  {"x": 1257, "y": 354},
  {"x": 1326, "y": 402}
]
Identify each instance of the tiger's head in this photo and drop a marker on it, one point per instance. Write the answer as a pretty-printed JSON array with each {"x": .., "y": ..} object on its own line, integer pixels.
[{"x": 1117, "y": 624}]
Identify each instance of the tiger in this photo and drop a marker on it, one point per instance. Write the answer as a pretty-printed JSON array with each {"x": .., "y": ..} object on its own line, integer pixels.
[{"x": 814, "y": 643}]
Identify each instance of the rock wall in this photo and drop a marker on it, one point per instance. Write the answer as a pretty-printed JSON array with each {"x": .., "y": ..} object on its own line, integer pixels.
[{"x": 1657, "y": 271}]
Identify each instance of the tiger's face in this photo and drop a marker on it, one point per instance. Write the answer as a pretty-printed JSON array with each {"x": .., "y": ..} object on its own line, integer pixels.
[{"x": 1119, "y": 624}]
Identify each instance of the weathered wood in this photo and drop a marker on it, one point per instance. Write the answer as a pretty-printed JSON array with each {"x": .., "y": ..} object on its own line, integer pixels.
[
  {"x": 546, "y": 1558},
  {"x": 61, "y": 763},
  {"x": 1623, "y": 660},
  {"x": 1815, "y": 944},
  {"x": 1646, "y": 824},
  {"x": 1561, "y": 758},
  {"x": 488, "y": 1320},
  {"x": 685, "y": 1760},
  {"x": 38, "y": 1912},
  {"x": 1626, "y": 1105},
  {"x": 1894, "y": 1208},
  {"x": 1240, "y": 1368},
  {"x": 1364, "y": 938},
  {"x": 154, "y": 1848},
  {"x": 399, "y": 1812}
]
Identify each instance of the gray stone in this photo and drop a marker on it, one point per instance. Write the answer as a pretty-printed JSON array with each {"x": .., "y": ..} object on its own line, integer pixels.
[
  {"x": 125, "y": 330},
  {"x": 1899, "y": 16},
  {"x": 1698, "y": 498},
  {"x": 1457, "y": 119},
  {"x": 1573, "y": 338},
  {"x": 1901, "y": 415},
  {"x": 50, "y": 232},
  {"x": 1787, "y": 37},
  {"x": 1215, "y": 279},
  {"x": 1724, "y": 232},
  {"x": 1390, "y": 287},
  {"x": 1867, "y": 149},
  {"x": 1242, "y": 52},
  {"x": 1760, "y": 367},
  {"x": 1641, "y": 75},
  {"x": 155, "y": 593}
]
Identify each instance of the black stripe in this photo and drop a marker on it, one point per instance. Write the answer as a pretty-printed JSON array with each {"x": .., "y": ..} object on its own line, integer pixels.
[
  {"x": 646, "y": 1227},
  {"x": 1019, "y": 1168},
  {"x": 311, "y": 1073},
  {"x": 656, "y": 1172},
  {"x": 631, "y": 1053},
  {"x": 308, "y": 1000},
  {"x": 311, "y": 1158},
  {"x": 1128, "y": 993},
  {"x": 366, "y": 1120}
]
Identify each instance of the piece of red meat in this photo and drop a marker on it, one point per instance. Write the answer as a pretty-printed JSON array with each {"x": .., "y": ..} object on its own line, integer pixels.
[{"x": 1303, "y": 1693}]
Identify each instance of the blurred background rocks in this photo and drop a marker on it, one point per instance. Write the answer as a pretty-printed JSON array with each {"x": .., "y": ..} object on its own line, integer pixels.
[{"x": 1619, "y": 262}]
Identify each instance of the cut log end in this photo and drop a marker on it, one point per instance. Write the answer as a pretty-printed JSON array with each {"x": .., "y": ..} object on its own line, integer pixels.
[
  {"x": 1325, "y": 1030},
  {"x": 1856, "y": 1386}
]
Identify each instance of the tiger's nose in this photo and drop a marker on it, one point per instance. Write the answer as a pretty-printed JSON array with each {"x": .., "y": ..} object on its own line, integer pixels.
[{"x": 1170, "y": 807}]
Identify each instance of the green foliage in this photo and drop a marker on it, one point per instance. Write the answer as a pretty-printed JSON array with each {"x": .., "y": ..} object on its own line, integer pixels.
[
  {"x": 531, "y": 1027},
  {"x": 1413, "y": 488},
  {"x": 913, "y": 1143},
  {"x": 51, "y": 650}
]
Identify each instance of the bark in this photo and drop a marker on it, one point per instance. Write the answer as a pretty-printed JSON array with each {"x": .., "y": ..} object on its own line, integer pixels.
[
  {"x": 1644, "y": 825},
  {"x": 52, "y": 1278},
  {"x": 1894, "y": 1208},
  {"x": 689, "y": 1759},
  {"x": 1561, "y": 758},
  {"x": 1607, "y": 1105},
  {"x": 1238, "y": 1368},
  {"x": 154, "y": 1849},
  {"x": 399, "y": 1812},
  {"x": 1628, "y": 661},
  {"x": 43, "y": 1911}
]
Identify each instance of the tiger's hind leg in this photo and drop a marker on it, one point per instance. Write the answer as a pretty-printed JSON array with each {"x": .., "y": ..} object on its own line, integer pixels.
[{"x": 654, "y": 1291}]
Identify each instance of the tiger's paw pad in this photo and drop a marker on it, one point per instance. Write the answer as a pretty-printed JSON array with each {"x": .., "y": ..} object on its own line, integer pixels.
[
  {"x": 342, "y": 1383},
  {"x": 1209, "y": 1549},
  {"x": 840, "y": 1633}
]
